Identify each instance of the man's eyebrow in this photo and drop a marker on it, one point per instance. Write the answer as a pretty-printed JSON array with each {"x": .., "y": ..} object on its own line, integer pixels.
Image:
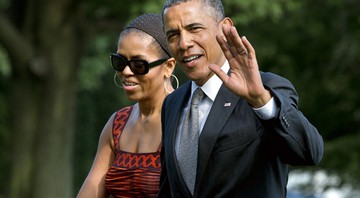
[
  {"x": 189, "y": 26},
  {"x": 171, "y": 31}
]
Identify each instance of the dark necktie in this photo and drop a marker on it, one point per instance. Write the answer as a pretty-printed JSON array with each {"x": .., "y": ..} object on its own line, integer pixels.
[{"x": 189, "y": 139}]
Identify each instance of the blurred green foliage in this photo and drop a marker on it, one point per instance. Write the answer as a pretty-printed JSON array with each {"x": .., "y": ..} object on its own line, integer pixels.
[
  {"x": 313, "y": 43},
  {"x": 5, "y": 116}
]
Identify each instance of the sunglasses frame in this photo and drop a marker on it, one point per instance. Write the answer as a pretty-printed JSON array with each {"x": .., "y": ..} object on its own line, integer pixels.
[{"x": 146, "y": 64}]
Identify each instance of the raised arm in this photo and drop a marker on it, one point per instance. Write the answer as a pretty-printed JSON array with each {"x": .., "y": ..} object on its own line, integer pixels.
[{"x": 295, "y": 139}]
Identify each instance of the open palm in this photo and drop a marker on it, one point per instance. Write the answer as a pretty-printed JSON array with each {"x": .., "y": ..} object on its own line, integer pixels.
[{"x": 244, "y": 79}]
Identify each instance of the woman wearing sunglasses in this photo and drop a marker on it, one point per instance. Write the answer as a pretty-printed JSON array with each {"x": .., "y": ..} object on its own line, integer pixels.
[{"x": 127, "y": 163}]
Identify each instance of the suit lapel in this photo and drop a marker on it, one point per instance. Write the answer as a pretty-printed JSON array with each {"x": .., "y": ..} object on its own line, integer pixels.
[{"x": 221, "y": 109}]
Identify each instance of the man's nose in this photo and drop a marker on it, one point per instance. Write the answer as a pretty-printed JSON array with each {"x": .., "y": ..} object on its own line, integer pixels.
[{"x": 185, "y": 41}]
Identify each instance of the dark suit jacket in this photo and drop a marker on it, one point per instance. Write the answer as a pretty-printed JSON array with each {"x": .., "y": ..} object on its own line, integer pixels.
[{"x": 240, "y": 155}]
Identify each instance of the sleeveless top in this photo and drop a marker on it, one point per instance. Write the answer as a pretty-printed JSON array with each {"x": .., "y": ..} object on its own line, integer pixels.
[{"x": 132, "y": 174}]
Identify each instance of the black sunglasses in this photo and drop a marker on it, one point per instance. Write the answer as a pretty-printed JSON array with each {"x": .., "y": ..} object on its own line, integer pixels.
[{"x": 138, "y": 67}]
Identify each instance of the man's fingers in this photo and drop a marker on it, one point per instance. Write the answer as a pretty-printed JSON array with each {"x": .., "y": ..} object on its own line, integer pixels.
[
  {"x": 219, "y": 72},
  {"x": 224, "y": 46},
  {"x": 239, "y": 46},
  {"x": 249, "y": 47}
]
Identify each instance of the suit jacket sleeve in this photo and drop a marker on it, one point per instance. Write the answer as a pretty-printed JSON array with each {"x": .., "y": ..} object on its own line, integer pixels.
[
  {"x": 164, "y": 186},
  {"x": 296, "y": 140}
]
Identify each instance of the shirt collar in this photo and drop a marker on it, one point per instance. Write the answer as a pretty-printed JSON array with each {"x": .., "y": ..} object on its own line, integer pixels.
[{"x": 212, "y": 86}]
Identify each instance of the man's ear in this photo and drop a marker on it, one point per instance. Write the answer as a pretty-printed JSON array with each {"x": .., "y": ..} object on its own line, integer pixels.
[{"x": 226, "y": 21}]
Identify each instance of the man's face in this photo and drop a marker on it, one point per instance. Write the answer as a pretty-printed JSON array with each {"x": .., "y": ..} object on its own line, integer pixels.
[{"x": 191, "y": 35}]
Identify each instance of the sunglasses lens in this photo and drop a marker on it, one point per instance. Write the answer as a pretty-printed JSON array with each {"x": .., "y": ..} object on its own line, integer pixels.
[
  {"x": 118, "y": 62},
  {"x": 139, "y": 67}
]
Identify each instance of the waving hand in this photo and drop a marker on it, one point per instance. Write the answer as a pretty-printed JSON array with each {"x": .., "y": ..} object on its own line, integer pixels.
[{"x": 244, "y": 79}]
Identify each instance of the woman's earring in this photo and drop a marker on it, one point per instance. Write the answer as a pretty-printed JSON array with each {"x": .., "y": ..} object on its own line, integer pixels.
[
  {"x": 177, "y": 83},
  {"x": 116, "y": 81},
  {"x": 176, "y": 79}
]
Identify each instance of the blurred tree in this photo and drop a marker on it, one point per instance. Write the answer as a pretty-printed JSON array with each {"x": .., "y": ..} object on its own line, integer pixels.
[
  {"x": 44, "y": 41},
  {"x": 58, "y": 92},
  {"x": 5, "y": 118}
]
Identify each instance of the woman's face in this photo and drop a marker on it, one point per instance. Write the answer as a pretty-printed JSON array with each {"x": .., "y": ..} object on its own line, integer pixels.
[{"x": 135, "y": 46}]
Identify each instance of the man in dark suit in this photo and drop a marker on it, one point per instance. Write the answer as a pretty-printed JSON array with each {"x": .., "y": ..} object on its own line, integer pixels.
[{"x": 250, "y": 129}]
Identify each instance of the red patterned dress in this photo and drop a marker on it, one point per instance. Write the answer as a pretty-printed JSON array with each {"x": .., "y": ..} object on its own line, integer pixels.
[{"x": 132, "y": 174}]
